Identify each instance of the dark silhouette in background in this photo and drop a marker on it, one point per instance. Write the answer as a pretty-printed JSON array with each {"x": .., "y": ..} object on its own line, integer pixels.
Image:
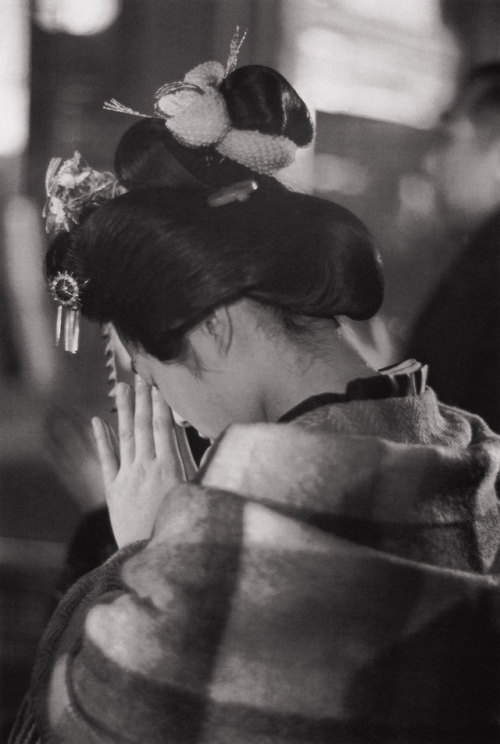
[{"x": 458, "y": 332}]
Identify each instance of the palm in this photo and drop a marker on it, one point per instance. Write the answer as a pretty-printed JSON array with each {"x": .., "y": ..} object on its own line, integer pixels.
[{"x": 153, "y": 458}]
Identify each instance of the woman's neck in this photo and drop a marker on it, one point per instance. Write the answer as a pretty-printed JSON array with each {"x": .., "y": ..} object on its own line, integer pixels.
[{"x": 296, "y": 373}]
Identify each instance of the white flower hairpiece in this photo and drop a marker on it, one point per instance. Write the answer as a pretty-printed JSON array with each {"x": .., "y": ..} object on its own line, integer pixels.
[{"x": 195, "y": 112}]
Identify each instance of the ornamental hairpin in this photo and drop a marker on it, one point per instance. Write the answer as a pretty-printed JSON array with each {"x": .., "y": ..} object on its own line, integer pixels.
[
  {"x": 239, "y": 192},
  {"x": 195, "y": 112},
  {"x": 65, "y": 290},
  {"x": 72, "y": 185}
]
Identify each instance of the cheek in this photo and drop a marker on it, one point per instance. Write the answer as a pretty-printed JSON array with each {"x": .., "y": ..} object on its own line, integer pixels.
[
  {"x": 185, "y": 394},
  {"x": 207, "y": 402},
  {"x": 176, "y": 390}
]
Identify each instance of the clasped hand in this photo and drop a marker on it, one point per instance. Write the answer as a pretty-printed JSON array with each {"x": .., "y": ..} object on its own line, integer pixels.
[{"x": 152, "y": 457}]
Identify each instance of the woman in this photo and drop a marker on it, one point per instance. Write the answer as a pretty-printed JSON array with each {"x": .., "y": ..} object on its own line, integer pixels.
[
  {"x": 264, "y": 120},
  {"x": 329, "y": 574}
]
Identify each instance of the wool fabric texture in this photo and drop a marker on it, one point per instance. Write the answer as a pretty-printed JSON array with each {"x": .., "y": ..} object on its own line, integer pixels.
[{"x": 334, "y": 579}]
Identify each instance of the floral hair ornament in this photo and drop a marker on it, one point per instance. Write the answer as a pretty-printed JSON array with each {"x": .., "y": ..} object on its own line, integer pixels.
[
  {"x": 71, "y": 185},
  {"x": 195, "y": 112}
]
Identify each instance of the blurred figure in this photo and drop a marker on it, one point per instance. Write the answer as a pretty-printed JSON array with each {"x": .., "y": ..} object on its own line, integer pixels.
[
  {"x": 458, "y": 333},
  {"x": 70, "y": 447}
]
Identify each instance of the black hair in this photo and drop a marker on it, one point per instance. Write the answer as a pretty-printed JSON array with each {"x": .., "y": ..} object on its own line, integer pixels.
[
  {"x": 257, "y": 98},
  {"x": 260, "y": 98},
  {"x": 155, "y": 262}
]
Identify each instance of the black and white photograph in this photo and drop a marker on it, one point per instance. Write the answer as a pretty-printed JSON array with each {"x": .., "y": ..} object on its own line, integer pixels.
[{"x": 249, "y": 371}]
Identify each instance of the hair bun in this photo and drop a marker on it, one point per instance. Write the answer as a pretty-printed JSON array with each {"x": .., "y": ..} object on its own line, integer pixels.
[{"x": 260, "y": 98}]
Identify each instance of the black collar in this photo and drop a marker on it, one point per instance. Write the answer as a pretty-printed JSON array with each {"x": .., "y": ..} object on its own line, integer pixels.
[{"x": 397, "y": 381}]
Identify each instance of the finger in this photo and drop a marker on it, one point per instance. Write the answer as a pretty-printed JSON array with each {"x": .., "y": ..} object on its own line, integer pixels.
[
  {"x": 105, "y": 451},
  {"x": 188, "y": 461},
  {"x": 143, "y": 420},
  {"x": 125, "y": 422},
  {"x": 166, "y": 444}
]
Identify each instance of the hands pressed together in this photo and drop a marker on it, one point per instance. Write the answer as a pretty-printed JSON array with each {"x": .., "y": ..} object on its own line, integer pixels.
[{"x": 152, "y": 457}]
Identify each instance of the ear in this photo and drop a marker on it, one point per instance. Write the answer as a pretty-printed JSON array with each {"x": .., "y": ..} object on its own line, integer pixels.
[{"x": 212, "y": 338}]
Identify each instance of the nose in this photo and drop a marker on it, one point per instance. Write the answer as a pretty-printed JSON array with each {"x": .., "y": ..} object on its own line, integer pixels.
[{"x": 178, "y": 419}]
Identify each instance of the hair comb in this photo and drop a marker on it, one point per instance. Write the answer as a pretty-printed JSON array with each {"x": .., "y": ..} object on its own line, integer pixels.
[{"x": 240, "y": 191}]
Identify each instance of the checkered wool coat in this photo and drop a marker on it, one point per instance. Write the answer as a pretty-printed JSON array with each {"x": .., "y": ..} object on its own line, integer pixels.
[{"x": 333, "y": 580}]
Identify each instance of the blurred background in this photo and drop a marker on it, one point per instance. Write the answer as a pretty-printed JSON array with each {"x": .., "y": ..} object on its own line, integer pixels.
[{"x": 377, "y": 74}]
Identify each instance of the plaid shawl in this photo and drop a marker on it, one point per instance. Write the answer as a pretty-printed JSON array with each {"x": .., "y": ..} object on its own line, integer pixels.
[{"x": 330, "y": 581}]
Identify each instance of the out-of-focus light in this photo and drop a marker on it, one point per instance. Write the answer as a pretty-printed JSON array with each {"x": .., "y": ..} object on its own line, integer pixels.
[
  {"x": 414, "y": 14},
  {"x": 77, "y": 17},
  {"x": 416, "y": 194},
  {"x": 333, "y": 173},
  {"x": 14, "y": 96},
  {"x": 14, "y": 103},
  {"x": 391, "y": 60},
  {"x": 23, "y": 248},
  {"x": 376, "y": 77}
]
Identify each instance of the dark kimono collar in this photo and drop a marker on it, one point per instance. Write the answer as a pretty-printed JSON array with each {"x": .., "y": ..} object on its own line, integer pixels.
[{"x": 397, "y": 381}]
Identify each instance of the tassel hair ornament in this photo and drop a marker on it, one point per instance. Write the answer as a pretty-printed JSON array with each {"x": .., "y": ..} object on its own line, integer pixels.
[{"x": 65, "y": 290}]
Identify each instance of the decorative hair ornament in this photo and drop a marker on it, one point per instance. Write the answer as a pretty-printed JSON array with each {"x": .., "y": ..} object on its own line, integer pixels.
[
  {"x": 195, "y": 112},
  {"x": 65, "y": 290},
  {"x": 71, "y": 185},
  {"x": 109, "y": 336},
  {"x": 240, "y": 191}
]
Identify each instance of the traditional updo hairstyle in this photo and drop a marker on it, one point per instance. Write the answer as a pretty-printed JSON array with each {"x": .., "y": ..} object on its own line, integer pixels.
[
  {"x": 257, "y": 98},
  {"x": 155, "y": 262}
]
